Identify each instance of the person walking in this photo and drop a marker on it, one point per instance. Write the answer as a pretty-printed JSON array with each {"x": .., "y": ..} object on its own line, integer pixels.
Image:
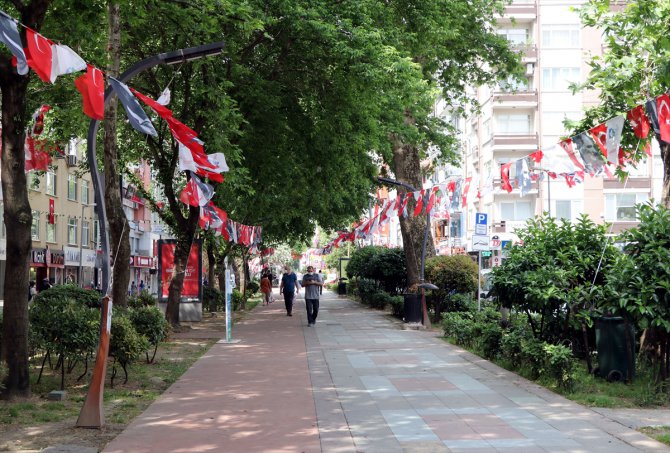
[
  {"x": 32, "y": 290},
  {"x": 289, "y": 287},
  {"x": 312, "y": 283},
  {"x": 266, "y": 289}
]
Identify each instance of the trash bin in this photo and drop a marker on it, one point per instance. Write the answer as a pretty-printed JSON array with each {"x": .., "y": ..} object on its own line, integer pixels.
[
  {"x": 412, "y": 308},
  {"x": 611, "y": 347},
  {"x": 342, "y": 287}
]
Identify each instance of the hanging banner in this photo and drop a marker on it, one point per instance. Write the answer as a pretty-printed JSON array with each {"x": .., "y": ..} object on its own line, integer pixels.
[{"x": 192, "y": 288}]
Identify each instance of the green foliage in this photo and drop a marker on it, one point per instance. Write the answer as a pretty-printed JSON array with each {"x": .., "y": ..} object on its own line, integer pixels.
[
  {"x": 63, "y": 326},
  {"x": 87, "y": 297},
  {"x": 213, "y": 299},
  {"x": 236, "y": 300},
  {"x": 384, "y": 265},
  {"x": 253, "y": 287},
  {"x": 397, "y": 306},
  {"x": 381, "y": 299},
  {"x": 634, "y": 66},
  {"x": 125, "y": 343},
  {"x": 150, "y": 323},
  {"x": 452, "y": 274},
  {"x": 366, "y": 289},
  {"x": 143, "y": 299},
  {"x": 641, "y": 278},
  {"x": 557, "y": 272}
]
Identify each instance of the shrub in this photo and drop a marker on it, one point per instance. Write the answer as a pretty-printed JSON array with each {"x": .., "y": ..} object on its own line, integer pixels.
[
  {"x": 253, "y": 287},
  {"x": 452, "y": 275},
  {"x": 380, "y": 300},
  {"x": 397, "y": 306},
  {"x": 143, "y": 299},
  {"x": 125, "y": 344},
  {"x": 212, "y": 299},
  {"x": 150, "y": 323},
  {"x": 384, "y": 265},
  {"x": 366, "y": 289},
  {"x": 489, "y": 341},
  {"x": 88, "y": 297},
  {"x": 236, "y": 300},
  {"x": 560, "y": 365}
]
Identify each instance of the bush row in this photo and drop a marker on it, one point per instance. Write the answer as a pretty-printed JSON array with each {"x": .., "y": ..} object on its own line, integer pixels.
[{"x": 515, "y": 345}]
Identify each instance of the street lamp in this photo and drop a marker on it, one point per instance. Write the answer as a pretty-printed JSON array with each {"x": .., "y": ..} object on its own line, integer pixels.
[
  {"x": 91, "y": 414},
  {"x": 422, "y": 284},
  {"x": 169, "y": 58},
  {"x": 81, "y": 242}
]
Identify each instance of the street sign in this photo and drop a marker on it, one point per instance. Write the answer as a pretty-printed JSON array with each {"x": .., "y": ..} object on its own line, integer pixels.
[
  {"x": 481, "y": 223},
  {"x": 480, "y": 242}
]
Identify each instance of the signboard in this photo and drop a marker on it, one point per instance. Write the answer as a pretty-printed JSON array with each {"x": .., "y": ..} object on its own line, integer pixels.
[
  {"x": 481, "y": 224},
  {"x": 480, "y": 243},
  {"x": 192, "y": 288}
]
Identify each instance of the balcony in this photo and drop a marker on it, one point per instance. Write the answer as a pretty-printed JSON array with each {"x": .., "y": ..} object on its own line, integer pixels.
[
  {"x": 497, "y": 187},
  {"x": 521, "y": 98},
  {"x": 522, "y": 11},
  {"x": 632, "y": 183},
  {"x": 515, "y": 142}
]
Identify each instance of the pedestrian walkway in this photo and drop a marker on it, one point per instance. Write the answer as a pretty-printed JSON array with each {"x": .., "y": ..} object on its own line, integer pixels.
[{"x": 359, "y": 383}]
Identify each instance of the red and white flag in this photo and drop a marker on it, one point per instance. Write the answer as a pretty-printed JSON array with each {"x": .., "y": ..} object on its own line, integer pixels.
[
  {"x": 504, "y": 175},
  {"x": 196, "y": 193},
  {"x": 639, "y": 121},
  {"x": 38, "y": 54},
  {"x": 567, "y": 147},
  {"x": 64, "y": 61},
  {"x": 92, "y": 88},
  {"x": 663, "y": 107}
]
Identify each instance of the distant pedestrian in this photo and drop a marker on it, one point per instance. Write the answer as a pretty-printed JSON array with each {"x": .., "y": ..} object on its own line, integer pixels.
[
  {"x": 321, "y": 277},
  {"x": 141, "y": 286},
  {"x": 266, "y": 289},
  {"x": 312, "y": 283},
  {"x": 289, "y": 287},
  {"x": 133, "y": 289},
  {"x": 46, "y": 284},
  {"x": 31, "y": 290}
]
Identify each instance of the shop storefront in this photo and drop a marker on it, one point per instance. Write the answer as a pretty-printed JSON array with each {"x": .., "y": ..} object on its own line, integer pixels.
[
  {"x": 80, "y": 266},
  {"x": 140, "y": 268},
  {"x": 56, "y": 266},
  {"x": 38, "y": 266}
]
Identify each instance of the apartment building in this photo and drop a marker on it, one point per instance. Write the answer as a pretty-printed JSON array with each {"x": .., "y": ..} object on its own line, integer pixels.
[
  {"x": 518, "y": 118},
  {"x": 65, "y": 231}
]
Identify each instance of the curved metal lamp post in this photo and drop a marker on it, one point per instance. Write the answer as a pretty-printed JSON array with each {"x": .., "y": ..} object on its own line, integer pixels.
[
  {"x": 92, "y": 415},
  {"x": 422, "y": 283},
  {"x": 174, "y": 57}
]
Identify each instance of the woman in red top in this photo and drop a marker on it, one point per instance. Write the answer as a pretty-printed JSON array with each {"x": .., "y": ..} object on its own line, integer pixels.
[{"x": 266, "y": 289}]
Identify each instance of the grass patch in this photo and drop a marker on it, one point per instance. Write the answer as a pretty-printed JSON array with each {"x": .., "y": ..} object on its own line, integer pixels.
[{"x": 660, "y": 433}]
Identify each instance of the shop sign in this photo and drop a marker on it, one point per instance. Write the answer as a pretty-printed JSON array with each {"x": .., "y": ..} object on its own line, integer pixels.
[
  {"x": 141, "y": 261},
  {"x": 55, "y": 258},
  {"x": 38, "y": 257},
  {"x": 71, "y": 256}
]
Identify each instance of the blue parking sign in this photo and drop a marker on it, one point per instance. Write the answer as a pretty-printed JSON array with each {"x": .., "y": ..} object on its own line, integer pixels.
[{"x": 481, "y": 223}]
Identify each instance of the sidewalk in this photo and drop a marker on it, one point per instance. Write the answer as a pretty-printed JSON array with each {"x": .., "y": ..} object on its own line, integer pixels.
[{"x": 359, "y": 383}]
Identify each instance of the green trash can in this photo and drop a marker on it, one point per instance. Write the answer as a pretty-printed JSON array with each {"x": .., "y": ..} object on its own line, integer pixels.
[{"x": 611, "y": 347}]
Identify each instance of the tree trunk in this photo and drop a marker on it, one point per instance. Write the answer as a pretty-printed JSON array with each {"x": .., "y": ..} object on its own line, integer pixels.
[
  {"x": 17, "y": 216},
  {"x": 18, "y": 221},
  {"x": 407, "y": 169},
  {"x": 211, "y": 261},
  {"x": 118, "y": 223},
  {"x": 181, "y": 253}
]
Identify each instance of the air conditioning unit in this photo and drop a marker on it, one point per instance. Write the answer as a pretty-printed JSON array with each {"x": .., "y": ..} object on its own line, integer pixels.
[{"x": 71, "y": 160}]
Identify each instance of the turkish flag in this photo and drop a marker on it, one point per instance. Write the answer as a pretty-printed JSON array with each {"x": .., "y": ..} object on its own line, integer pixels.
[
  {"x": 638, "y": 119},
  {"x": 663, "y": 103},
  {"x": 52, "y": 216},
  {"x": 92, "y": 88},
  {"x": 504, "y": 175},
  {"x": 38, "y": 54}
]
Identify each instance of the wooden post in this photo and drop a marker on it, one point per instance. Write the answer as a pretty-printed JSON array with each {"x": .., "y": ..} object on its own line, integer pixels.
[{"x": 92, "y": 414}]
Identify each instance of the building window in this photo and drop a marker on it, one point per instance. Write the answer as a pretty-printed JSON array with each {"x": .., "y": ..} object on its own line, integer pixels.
[
  {"x": 620, "y": 207},
  {"x": 515, "y": 36},
  {"x": 51, "y": 183},
  {"x": 33, "y": 181},
  {"x": 72, "y": 187},
  {"x": 84, "y": 233},
  {"x": 513, "y": 124},
  {"x": 51, "y": 231},
  {"x": 72, "y": 230},
  {"x": 96, "y": 233},
  {"x": 515, "y": 211},
  {"x": 560, "y": 36},
  {"x": 84, "y": 191},
  {"x": 35, "y": 228},
  {"x": 558, "y": 79}
]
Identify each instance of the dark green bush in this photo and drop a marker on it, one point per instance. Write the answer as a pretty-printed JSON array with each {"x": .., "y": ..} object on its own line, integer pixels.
[
  {"x": 386, "y": 266},
  {"x": 212, "y": 299},
  {"x": 88, "y": 297},
  {"x": 367, "y": 288},
  {"x": 397, "y": 306},
  {"x": 236, "y": 300},
  {"x": 380, "y": 300},
  {"x": 489, "y": 341},
  {"x": 151, "y": 324},
  {"x": 143, "y": 299},
  {"x": 454, "y": 274},
  {"x": 253, "y": 287},
  {"x": 125, "y": 343}
]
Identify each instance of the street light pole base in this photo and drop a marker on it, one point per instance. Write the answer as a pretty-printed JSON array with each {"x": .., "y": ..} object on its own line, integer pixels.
[{"x": 413, "y": 326}]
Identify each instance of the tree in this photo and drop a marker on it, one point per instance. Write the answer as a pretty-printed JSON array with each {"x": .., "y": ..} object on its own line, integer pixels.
[
  {"x": 634, "y": 67},
  {"x": 453, "y": 45},
  {"x": 452, "y": 275},
  {"x": 16, "y": 89}
]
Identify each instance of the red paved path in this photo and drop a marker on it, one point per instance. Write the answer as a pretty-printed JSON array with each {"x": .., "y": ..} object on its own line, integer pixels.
[{"x": 255, "y": 395}]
